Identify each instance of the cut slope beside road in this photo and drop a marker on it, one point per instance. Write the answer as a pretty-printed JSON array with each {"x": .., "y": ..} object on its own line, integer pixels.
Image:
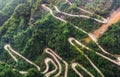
[{"x": 114, "y": 18}]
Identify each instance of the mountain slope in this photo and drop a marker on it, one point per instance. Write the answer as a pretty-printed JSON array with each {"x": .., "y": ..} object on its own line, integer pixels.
[{"x": 29, "y": 28}]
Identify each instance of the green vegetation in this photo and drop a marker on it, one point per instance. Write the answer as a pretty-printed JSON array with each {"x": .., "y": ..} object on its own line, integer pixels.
[
  {"x": 33, "y": 73},
  {"x": 110, "y": 39},
  {"x": 29, "y": 29},
  {"x": 7, "y": 71}
]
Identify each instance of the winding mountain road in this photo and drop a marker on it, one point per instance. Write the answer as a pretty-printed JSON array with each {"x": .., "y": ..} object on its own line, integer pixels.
[
  {"x": 51, "y": 12},
  {"x": 71, "y": 39},
  {"x": 57, "y": 58},
  {"x": 89, "y": 60},
  {"x": 74, "y": 65},
  {"x": 80, "y": 16},
  {"x": 10, "y": 51},
  {"x": 91, "y": 36},
  {"x": 86, "y": 11},
  {"x": 48, "y": 51},
  {"x": 47, "y": 74}
]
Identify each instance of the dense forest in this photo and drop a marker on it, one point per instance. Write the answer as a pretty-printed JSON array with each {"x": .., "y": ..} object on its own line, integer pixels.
[{"x": 47, "y": 38}]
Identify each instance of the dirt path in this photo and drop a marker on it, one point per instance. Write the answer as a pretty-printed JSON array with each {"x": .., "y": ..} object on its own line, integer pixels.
[{"x": 114, "y": 18}]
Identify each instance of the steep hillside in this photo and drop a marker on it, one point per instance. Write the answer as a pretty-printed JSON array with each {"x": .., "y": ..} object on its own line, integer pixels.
[{"x": 47, "y": 38}]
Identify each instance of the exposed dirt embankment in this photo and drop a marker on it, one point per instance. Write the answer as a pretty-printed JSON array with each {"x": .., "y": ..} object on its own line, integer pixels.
[{"x": 114, "y": 18}]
